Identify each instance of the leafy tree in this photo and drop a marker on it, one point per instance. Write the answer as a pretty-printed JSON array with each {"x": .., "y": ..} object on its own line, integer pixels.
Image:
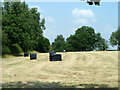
[
  {"x": 72, "y": 41},
  {"x": 16, "y": 49},
  {"x": 6, "y": 50},
  {"x": 43, "y": 44},
  {"x": 101, "y": 43},
  {"x": 83, "y": 39},
  {"x": 69, "y": 47},
  {"x": 46, "y": 44},
  {"x": 23, "y": 26},
  {"x": 5, "y": 40},
  {"x": 59, "y": 43},
  {"x": 115, "y": 38}
]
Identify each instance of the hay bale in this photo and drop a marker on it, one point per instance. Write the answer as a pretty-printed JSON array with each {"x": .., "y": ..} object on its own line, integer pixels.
[
  {"x": 57, "y": 57},
  {"x": 51, "y": 54},
  {"x": 33, "y": 56},
  {"x": 26, "y": 54},
  {"x": 54, "y": 57},
  {"x": 51, "y": 58}
]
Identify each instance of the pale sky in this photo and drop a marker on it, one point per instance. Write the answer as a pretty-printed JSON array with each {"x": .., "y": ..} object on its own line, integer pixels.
[{"x": 65, "y": 17}]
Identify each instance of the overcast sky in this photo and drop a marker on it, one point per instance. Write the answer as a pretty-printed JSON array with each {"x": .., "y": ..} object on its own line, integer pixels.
[{"x": 65, "y": 17}]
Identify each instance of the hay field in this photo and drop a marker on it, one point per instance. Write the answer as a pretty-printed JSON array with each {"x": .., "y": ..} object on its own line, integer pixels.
[{"x": 78, "y": 70}]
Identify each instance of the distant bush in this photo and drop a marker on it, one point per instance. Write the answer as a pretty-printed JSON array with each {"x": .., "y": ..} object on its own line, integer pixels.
[
  {"x": 16, "y": 49},
  {"x": 5, "y": 50}
]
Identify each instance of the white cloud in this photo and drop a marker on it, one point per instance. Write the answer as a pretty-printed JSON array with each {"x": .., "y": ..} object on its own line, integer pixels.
[
  {"x": 84, "y": 16},
  {"x": 82, "y": 13},
  {"x": 81, "y": 21},
  {"x": 50, "y": 19}
]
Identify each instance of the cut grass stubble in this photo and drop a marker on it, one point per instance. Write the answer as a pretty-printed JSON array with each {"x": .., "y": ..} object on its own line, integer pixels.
[{"x": 78, "y": 69}]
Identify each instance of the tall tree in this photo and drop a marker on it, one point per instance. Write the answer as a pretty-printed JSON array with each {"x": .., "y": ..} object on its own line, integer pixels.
[
  {"x": 23, "y": 26},
  {"x": 59, "y": 43},
  {"x": 101, "y": 43},
  {"x": 85, "y": 38},
  {"x": 5, "y": 41},
  {"x": 115, "y": 38}
]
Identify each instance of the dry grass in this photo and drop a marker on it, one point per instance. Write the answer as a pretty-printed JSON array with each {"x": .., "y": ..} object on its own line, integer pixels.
[{"x": 78, "y": 69}]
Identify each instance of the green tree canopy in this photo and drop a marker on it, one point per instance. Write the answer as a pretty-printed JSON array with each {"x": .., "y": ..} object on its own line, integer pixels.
[
  {"x": 23, "y": 26},
  {"x": 85, "y": 38},
  {"x": 101, "y": 43},
  {"x": 115, "y": 38},
  {"x": 59, "y": 43}
]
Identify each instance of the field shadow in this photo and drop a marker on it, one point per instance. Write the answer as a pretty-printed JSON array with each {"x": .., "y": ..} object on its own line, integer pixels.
[
  {"x": 38, "y": 84},
  {"x": 94, "y": 85},
  {"x": 18, "y": 55}
]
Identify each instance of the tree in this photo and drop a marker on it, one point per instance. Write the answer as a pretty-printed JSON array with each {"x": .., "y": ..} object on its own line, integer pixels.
[
  {"x": 5, "y": 40},
  {"x": 84, "y": 38},
  {"x": 59, "y": 43},
  {"x": 23, "y": 26},
  {"x": 46, "y": 44},
  {"x": 115, "y": 38},
  {"x": 69, "y": 47},
  {"x": 42, "y": 45},
  {"x": 101, "y": 43},
  {"x": 72, "y": 41},
  {"x": 16, "y": 49}
]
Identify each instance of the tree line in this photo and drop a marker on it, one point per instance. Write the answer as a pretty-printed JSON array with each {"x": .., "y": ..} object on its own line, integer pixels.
[
  {"x": 84, "y": 39},
  {"x": 22, "y": 31},
  {"x": 22, "y": 28}
]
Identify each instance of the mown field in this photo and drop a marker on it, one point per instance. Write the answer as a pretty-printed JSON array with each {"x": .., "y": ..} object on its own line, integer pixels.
[{"x": 78, "y": 70}]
